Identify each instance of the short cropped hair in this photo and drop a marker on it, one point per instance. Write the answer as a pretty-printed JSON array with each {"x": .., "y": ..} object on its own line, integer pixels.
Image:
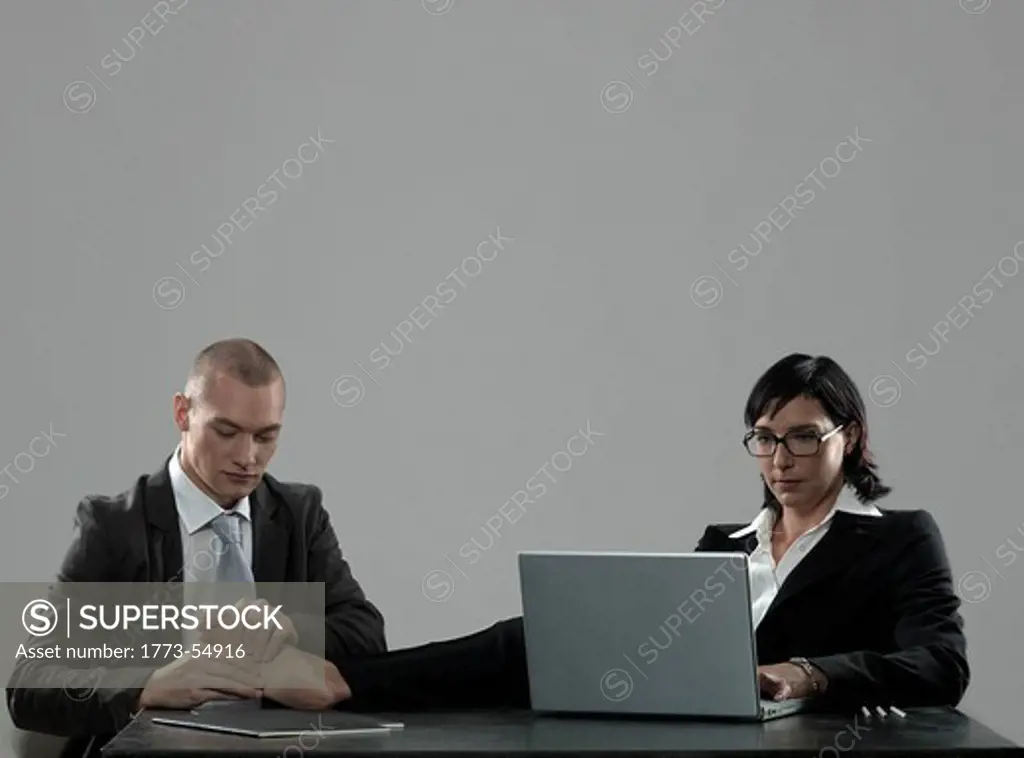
[{"x": 239, "y": 358}]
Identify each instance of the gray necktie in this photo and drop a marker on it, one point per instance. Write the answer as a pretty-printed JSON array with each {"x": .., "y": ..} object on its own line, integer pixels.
[
  {"x": 232, "y": 579},
  {"x": 231, "y": 563}
]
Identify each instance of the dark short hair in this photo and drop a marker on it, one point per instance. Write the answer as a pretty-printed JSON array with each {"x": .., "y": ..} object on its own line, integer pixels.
[
  {"x": 237, "y": 357},
  {"x": 822, "y": 379}
]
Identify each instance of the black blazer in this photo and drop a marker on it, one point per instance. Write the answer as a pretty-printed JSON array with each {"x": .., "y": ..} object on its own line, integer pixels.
[
  {"x": 873, "y": 605},
  {"x": 135, "y": 537}
]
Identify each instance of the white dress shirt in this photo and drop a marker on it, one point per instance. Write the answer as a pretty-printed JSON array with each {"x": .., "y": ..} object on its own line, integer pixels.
[
  {"x": 766, "y": 577},
  {"x": 196, "y": 511}
]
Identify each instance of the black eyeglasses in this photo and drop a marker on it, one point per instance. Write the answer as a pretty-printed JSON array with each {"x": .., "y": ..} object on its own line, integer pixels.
[{"x": 761, "y": 443}]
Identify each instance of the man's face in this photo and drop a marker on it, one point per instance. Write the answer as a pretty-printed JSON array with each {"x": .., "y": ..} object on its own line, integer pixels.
[{"x": 229, "y": 435}]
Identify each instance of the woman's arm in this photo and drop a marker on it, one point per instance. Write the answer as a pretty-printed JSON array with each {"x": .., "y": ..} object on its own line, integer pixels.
[
  {"x": 929, "y": 665},
  {"x": 486, "y": 669}
]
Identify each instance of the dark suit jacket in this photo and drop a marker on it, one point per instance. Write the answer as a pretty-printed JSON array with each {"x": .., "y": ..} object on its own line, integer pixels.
[
  {"x": 873, "y": 605},
  {"x": 135, "y": 537}
]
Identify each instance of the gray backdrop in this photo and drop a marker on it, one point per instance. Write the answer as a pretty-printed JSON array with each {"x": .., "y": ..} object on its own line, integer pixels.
[{"x": 361, "y": 155}]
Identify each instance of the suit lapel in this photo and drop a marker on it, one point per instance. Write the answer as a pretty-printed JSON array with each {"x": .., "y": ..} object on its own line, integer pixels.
[
  {"x": 165, "y": 538},
  {"x": 849, "y": 538},
  {"x": 270, "y": 531},
  {"x": 269, "y": 527}
]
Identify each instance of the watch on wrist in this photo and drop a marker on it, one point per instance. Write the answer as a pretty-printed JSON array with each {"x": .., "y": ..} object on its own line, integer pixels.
[{"x": 810, "y": 670}]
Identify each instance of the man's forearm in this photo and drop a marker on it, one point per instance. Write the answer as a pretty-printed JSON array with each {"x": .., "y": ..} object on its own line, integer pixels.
[
  {"x": 68, "y": 702},
  {"x": 354, "y": 632},
  {"x": 344, "y": 634}
]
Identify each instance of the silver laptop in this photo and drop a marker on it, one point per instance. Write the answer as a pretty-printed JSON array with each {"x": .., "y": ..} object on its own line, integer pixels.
[{"x": 644, "y": 634}]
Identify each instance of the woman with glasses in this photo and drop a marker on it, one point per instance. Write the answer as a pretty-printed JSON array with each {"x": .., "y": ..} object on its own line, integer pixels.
[{"x": 852, "y": 604}]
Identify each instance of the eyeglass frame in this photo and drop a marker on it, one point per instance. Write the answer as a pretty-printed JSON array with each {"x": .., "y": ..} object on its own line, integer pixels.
[{"x": 777, "y": 439}]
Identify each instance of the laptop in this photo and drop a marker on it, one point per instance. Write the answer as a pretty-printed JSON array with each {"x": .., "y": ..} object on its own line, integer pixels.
[{"x": 643, "y": 634}]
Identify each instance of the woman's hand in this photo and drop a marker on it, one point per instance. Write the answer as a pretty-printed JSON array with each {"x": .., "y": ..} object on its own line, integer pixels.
[{"x": 786, "y": 681}]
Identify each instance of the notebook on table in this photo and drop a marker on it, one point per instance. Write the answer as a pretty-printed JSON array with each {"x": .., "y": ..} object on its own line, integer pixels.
[{"x": 252, "y": 719}]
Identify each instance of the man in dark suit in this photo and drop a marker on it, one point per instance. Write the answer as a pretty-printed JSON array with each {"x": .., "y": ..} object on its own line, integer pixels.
[{"x": 165, "y": 528}]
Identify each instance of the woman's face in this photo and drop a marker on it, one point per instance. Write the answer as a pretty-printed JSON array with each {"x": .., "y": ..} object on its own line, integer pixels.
[{"x": 802, "y": 481}]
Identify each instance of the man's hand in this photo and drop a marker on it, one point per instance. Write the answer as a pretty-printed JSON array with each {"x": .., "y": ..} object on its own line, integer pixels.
[
  {"x": 276, "y": 640},
  {"x": 188, "y": 681},
  {"x": 784, "y": 681},
  {"x": 259, "y": 644},
  {"x": 299, "y": 680}
]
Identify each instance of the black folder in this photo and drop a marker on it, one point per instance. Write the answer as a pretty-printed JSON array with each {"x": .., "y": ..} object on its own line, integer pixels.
[{"x": 250, "y": 719}]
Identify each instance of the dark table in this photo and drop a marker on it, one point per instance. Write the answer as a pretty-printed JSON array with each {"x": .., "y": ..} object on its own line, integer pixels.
[{"x": 932, "y": 732}]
